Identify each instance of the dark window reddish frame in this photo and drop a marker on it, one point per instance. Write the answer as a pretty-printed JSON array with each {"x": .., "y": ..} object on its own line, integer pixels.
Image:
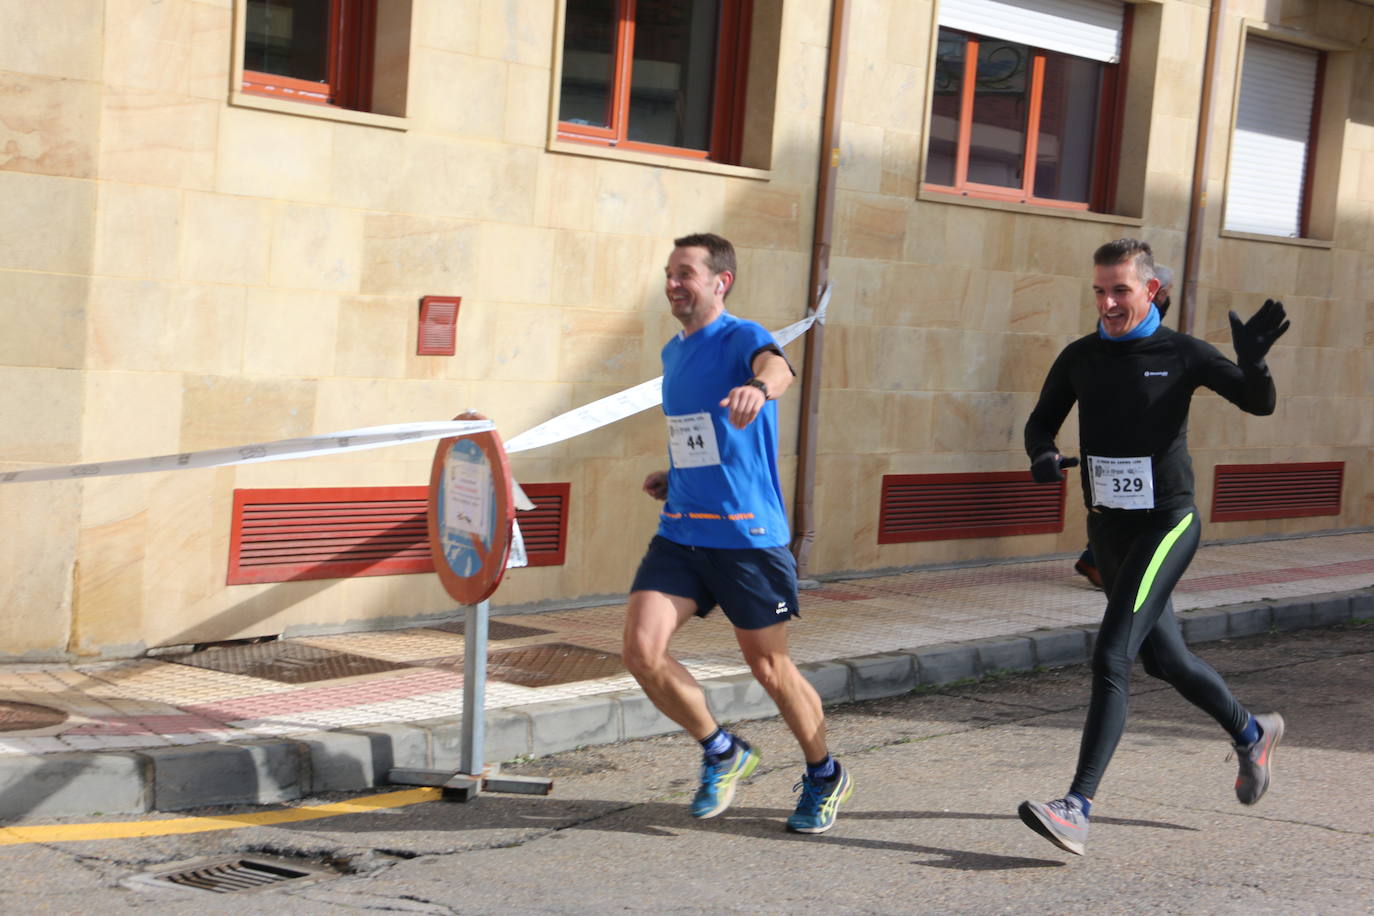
[
  {"x": 352, "y": 37},
  {"x": 1111, "y": 103},
  {"x": 727, "y": 106},
  {"x": 293, "y": 534}
]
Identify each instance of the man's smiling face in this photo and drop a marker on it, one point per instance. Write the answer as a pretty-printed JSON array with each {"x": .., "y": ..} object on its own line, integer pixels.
[{"x": 1123, "y": 300}]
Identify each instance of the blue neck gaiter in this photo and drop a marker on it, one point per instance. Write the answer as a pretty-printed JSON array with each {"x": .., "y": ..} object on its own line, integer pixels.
[{"x": 1144, "y": 329}]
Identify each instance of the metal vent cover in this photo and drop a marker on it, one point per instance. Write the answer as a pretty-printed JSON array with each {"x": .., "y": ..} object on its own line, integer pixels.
[
  {"x": 284, "y": 662},
  {"x": 22, "y": 717},
  {"x": 230, "y": 875},
  {"x": 938, "y": 507},
  {"x": 496, "y": 629},
  {"x": 1242, "y": 492}
]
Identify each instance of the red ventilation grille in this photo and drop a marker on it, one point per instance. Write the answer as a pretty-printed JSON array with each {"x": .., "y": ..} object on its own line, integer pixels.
[
  {"x": 1249, "y": 491},
  {"x": 282, "y": 535},
  {"x": 438, "y": 325},
  {"x": 334, "y": 533},
  {"x": 545, "y": 527},
  {"x": 939, "y": 507}
]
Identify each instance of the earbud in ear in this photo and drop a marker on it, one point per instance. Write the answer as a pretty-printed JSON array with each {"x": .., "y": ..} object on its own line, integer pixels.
[{"x": 720, "y": 287}]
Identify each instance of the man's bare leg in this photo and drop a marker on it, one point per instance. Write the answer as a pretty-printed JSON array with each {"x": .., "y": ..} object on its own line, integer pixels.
[
  {"x": 766, "y": 652},
  {"x": 650, "y": 622}
]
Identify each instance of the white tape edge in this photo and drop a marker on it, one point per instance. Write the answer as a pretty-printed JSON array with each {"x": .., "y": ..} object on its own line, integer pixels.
[
  {"x": 352, "y": 440},
  {"x": 565, "y": 426}
]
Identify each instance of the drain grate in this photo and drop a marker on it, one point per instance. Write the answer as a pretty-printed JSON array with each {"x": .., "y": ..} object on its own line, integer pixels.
[
  {"x": 495, "y": 630},
  {"x": 23, "y": 717},
  {"x": 555, "y": 663},
  {"x": 286, "y": 663},
  {"x": 232, "y": 875},
  {"x": 539, "y": 666}
]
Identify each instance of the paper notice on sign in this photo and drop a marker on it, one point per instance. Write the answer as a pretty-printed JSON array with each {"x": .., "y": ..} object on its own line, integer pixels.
[{"x": 467, "y": 499}]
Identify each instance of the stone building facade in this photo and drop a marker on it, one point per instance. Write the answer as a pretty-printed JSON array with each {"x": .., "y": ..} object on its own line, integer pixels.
[{"x": 194, "y": 255}]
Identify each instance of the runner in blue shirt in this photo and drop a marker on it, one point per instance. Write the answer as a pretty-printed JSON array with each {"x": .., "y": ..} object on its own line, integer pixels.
[{"x": 722, "y": 536}]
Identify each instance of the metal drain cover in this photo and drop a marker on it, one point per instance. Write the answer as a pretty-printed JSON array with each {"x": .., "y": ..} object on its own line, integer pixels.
[
  {"x": 555, "y": 663},
  {"x": 231, "y": 875},
  {"x": 284, "y": 662},
  {"x": 495, "y": 629},
  {"x": 23, "y": 717}
]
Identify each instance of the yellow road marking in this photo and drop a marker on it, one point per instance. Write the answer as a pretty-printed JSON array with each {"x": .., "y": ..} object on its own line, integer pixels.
[{"x": 123, "y": 830}]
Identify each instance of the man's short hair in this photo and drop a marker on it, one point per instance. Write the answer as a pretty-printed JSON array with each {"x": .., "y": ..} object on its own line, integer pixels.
[
  {"x": 720, "y": 254},
  {"x": 1123, "y": 250}
]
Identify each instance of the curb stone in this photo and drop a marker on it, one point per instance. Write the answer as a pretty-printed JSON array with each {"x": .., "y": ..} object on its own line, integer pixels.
[{"x": 278, "y": 770}]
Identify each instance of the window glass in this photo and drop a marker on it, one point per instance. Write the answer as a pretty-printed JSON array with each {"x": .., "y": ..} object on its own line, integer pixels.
[
  {"x": 1068, "y": 127},
  {"x": 1001, "y": 103},
  {"x": 589, "y": 38},
  {"x": 288, "y": 38},
  {"x": 943, "y": 151},
  {"x": 672, "y": 79}
]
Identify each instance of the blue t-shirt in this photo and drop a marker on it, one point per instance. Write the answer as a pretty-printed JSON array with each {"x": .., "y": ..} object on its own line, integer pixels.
[{"x": 723, "y": 484}]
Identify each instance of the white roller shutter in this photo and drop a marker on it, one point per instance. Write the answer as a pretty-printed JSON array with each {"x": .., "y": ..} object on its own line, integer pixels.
[
  {"x": 1269, "y": 149},
  {"x": 1082, "y": 28}
]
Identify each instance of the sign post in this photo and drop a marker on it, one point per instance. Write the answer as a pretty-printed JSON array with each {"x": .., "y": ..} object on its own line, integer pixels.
[{"x": 471, "y": 516}]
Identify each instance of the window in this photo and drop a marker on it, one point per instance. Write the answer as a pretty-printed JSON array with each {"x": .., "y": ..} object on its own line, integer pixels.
[
  {"x": 1269, "y": 185},
  {"x": 655, "y": 75},
  {"x": 315, "y": 51},
  {"x": 1024, "y": 101}
]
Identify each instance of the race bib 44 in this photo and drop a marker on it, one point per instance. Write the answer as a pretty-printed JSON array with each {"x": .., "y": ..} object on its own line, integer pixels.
[{"x": 692, "y": 441}]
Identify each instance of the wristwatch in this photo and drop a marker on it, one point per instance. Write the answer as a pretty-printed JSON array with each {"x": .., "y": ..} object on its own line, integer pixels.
[{"x": 759, "y": 384}]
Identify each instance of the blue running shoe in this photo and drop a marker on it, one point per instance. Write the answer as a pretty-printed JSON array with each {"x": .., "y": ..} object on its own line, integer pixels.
[
  {"x": 718, "y": 780},
  {"x": 820, "y": 801}
]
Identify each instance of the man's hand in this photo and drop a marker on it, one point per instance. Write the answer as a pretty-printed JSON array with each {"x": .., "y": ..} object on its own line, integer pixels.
[
  {"x": 656, "y": 485},
  {"x": 1048, "y": 467},
  {"x": 744, "y": 402},
  {"x": 1254, "y": 338}
]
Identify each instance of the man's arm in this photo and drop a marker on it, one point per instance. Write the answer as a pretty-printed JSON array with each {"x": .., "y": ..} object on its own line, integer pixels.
[
  {"x": 1056, "y": 399},
  {"x": 745, "y": 402},
  {"x": 1247, "y": 382}
]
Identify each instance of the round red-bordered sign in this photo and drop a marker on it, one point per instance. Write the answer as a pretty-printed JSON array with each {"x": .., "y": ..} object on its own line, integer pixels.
[{"x": 471, "y": 510}]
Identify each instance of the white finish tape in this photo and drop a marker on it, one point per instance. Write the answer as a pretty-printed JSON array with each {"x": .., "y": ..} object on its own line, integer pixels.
[{"x": 565, "y": 426}]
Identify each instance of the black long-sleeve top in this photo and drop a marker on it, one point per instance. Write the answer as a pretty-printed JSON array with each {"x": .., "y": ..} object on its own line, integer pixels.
[{"x": 1133, "y": 398}]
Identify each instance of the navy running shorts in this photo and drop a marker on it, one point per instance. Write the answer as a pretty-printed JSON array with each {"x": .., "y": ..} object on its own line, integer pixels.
[{"x": 756, "y": 587}]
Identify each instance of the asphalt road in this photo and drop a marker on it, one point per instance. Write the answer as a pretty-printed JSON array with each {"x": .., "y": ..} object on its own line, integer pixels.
[{"x": 932, "y": 827}]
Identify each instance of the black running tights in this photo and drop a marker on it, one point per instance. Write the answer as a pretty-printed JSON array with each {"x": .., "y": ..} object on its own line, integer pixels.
[{"x": 1141, "y": 556}]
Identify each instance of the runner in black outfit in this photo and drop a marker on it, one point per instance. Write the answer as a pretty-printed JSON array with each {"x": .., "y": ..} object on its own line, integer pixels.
[{"x": 1133, "y": 381}]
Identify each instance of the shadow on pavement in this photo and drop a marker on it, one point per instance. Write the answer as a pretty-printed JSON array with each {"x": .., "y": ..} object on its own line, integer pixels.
[{"x": 537, "y": 817}]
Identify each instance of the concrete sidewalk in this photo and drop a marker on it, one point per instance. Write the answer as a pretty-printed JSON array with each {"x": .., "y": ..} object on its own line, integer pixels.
[{"x": 283, "y": 720}]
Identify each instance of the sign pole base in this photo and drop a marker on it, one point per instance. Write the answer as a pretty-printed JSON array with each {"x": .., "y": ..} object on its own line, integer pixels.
[{"x": 463, "y": 787}]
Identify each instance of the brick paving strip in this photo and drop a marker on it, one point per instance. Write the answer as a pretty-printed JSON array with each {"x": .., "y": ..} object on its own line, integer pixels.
[{"x": 156, "y": 735}]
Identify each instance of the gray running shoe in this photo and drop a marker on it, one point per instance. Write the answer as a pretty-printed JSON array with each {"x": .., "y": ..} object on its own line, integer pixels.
[
  {"x": 1061, "y": 821},
  {"x": 1253, "y": 779}
]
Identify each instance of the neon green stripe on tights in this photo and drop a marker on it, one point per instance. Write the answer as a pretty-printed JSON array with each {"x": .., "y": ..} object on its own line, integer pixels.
[{"x": 1157, "y": 560}]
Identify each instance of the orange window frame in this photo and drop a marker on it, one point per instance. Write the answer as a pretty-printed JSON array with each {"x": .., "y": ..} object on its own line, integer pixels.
[
  {"x": 728, "y": 94},
  {"x": 1109, "y": 109},
  {"x": 352, "y": 37}
]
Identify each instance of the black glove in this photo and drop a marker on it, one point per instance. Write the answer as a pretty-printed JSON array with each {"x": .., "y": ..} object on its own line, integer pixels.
[
  {"x": 1048, "y": 467},
  {"x": 1254, "y": 338}
]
